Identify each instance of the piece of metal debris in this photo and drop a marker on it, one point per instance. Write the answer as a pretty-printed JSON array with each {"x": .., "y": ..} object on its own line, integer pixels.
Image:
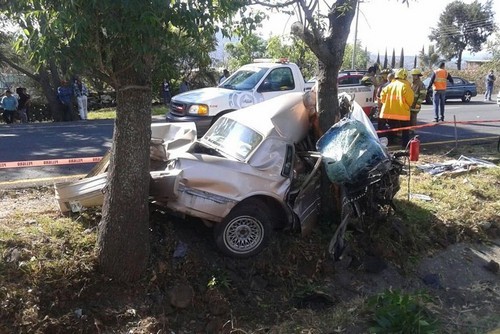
[{"x": 462, "y": 164}]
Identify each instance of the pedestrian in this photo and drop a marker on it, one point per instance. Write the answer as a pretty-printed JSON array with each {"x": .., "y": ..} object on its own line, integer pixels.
[
  {"x": 490, "y": 81},
  {"x": 81, "y": 92},
  {"x": 165, "y": 91},
  {"x": 9, "y": 105},
  {"x": 420, "y": 92},
  {"x": 397, "y": 98},
  {"x": 225, "y": 75},
  {"x": 438, "y": 84},
  {"x": 184, "y": 87},
  {"x": 65, "y": 96},
  {"x": 23, "y": 104}
]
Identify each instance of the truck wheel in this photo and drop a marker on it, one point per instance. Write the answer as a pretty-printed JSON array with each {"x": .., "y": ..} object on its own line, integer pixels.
[{"x": 245, "y": 231}]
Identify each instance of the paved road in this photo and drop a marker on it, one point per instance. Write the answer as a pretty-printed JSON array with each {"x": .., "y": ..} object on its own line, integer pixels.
[
  {"x": 455, "y": 110},
  {"x": 39, "y": 141}
]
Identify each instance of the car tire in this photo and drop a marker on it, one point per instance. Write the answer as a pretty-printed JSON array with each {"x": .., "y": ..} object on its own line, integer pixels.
[
  {"x": 467, "y": 96},
  {"x": 245, "y": 231}
]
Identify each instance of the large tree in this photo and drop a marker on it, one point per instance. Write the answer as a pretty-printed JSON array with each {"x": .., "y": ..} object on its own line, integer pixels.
[
  {"x": 463, "y": 27},
  {"x": 120, "y": 42}
]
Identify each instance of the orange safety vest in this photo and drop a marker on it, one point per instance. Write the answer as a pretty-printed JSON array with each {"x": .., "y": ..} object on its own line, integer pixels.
[{"x": 440, "y": 80}]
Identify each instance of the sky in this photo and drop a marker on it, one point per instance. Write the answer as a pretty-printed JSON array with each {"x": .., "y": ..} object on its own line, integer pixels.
[{"x": 387, "y": 23}]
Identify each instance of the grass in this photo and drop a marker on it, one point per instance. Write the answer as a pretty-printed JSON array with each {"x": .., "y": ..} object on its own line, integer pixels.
[
  {"x": 110, "y": 113},
  {"x": 48, "y": 268}
]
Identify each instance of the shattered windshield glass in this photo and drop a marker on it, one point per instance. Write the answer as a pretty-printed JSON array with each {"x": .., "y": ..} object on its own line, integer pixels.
[
  {"x": 244, "y": 79},
  {"x": 232, "y": 138}
]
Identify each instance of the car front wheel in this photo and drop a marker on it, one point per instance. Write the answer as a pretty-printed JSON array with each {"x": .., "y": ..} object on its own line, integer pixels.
[
  {"x": 245, "y": 231},
  {"x": 467, "y": 96}
]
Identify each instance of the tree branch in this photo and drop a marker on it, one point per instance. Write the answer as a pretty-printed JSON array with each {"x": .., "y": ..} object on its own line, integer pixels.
[{"x": 17, "y": 67}]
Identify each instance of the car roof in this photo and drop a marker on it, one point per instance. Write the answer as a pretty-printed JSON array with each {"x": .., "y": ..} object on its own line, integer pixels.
[{"x": 285, "y": 116}]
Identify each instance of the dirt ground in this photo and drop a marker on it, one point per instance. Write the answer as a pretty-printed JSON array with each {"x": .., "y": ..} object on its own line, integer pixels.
[{"x": 192, "y": 288}]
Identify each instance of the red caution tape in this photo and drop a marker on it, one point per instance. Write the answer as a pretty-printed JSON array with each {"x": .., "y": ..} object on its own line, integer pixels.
[
  {"x": 435, "y": 124},
  {"x": 52, "y": 162}
]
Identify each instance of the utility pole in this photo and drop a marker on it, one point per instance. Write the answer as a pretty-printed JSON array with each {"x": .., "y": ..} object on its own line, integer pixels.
[{"x": 355, "y": 36}]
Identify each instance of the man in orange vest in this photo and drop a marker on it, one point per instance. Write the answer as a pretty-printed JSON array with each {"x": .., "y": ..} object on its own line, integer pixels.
[
  {"x": 397, "y": 98},
  {"x": 438, "y": 84}
]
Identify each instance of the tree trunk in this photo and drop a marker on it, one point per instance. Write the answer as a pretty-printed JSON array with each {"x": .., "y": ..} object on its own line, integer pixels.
[
  {"x": 51, "y": 95},
  {"x": 123, "y": 243},
  {"x": 459, "y": 60}
]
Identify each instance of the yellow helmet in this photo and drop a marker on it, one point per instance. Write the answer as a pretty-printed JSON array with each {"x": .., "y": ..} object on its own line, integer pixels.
[
  {"x": 400, "y": 73},
  {"x": 416, "y": 71}
]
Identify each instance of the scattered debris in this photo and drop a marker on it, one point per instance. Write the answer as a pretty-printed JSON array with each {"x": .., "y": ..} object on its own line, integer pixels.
[
  {"x": 421, "y": 197},
  {"x": 462, "y": 164}
]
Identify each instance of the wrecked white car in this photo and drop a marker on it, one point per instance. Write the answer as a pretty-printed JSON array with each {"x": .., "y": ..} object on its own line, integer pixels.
[{"x": 250, "y": 174}]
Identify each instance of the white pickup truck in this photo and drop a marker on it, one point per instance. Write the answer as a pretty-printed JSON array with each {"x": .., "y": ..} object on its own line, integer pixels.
[
  {"x": 250, "y": 84},
  {"x": 254, "y": 83}
]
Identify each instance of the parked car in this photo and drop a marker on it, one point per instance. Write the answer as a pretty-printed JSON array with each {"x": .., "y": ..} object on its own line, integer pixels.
[
  {"x": 461, "y": 89},
  {"x": 498, "y": 99}
]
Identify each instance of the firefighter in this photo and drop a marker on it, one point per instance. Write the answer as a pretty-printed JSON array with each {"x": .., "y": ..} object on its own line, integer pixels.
[
  {"x": 420, "y": 92},
  {"x": 397, "y": 99}
]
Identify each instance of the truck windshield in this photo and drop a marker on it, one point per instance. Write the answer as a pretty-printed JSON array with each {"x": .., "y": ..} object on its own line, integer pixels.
[
  {"x": 232, "y": 138},
  {"x": 245, "y": 79}
]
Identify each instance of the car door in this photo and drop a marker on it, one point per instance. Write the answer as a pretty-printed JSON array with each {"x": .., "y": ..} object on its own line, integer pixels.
[
  {"x": 278, "y": 82},
  {"x": 455, "y": 91},
  {"x": 307, "y": 201}
]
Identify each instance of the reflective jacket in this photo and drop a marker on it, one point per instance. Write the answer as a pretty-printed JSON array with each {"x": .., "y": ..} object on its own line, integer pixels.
[
  {"x": 397, "y": 98},
  {"x": 441, "y": 75}
]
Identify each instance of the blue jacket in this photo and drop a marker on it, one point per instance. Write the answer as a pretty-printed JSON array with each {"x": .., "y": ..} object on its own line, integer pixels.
[
  {"x": 9, "y": 103},
  {"x": 65, "y": 94}
]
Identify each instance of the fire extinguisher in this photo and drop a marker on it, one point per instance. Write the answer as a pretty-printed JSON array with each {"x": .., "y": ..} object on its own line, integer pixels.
[{"x": 414, "y": 149}]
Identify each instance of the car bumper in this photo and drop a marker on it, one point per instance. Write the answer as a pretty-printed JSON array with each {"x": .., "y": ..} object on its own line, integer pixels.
[{"x": 202, "y": 122}]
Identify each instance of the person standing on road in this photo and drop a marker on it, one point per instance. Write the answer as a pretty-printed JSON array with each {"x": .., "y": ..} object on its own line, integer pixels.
[
  {"x": 81, "y": 92},
  {"x": 9, "y": 105},
  {"x": 438, "y": 84},
  {"x": 65, "y": 96},
  {"x": 397, "y": 99},
  {"x": 420, "y": 92},
  {"x": 490, "y": 81}
]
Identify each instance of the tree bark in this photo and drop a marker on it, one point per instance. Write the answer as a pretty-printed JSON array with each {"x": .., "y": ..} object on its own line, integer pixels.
[
  {"x": 123, "y": 243},
  {"x": 459, "y": 60}
]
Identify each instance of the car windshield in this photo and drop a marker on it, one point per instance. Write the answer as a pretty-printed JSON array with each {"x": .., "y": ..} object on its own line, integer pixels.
[
  {"x": 244, "y": 79},
  {"x": 232, "y": 138}
]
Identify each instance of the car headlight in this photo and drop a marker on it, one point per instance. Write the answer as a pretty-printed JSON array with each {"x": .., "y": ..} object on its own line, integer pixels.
[{"x": 198, "y": 109}]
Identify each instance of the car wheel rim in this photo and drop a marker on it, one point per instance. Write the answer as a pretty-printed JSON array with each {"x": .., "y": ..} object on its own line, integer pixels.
[
  {"x": 243, "y": 234},
  {"x": 468, "y": 96}
]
